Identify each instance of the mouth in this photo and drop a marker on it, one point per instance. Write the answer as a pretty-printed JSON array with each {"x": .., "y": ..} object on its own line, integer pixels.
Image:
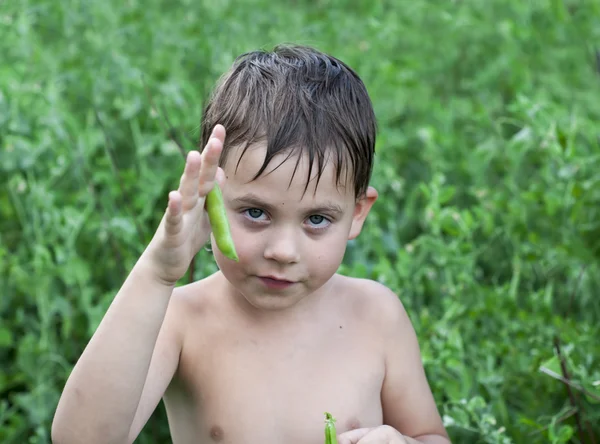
[{"x": 273, "y": 282}]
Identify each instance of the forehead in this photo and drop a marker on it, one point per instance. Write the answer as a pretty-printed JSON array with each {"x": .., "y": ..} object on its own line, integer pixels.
[{"x": 287, "y": 172}]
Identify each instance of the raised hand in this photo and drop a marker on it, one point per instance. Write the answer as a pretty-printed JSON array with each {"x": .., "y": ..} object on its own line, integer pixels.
[{"x": 185, "y": 227}]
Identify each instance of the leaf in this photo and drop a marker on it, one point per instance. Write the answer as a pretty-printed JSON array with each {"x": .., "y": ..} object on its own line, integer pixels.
[
  {"x": 6, "y": 337},
  {"x": 552, "y": 368},
  {"x": 564, "y": 434},
  {"x": 446, "y": 194},
  {"x": 592, "y": 391}
]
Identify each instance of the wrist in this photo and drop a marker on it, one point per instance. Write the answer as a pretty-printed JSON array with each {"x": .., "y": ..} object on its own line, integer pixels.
[{"x": 148, "y": 269}]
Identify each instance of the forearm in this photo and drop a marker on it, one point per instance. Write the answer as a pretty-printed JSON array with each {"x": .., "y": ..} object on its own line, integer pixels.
[{"x": 102, "y": 393}]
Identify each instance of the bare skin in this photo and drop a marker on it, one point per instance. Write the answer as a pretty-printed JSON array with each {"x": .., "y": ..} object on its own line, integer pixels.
[
  {"x": 236, "y": 361},
  {"x": 239, "y": 381}
]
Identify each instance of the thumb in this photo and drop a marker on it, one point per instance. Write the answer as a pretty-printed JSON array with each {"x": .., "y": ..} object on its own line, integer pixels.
[{"x": 353, "y": 436}]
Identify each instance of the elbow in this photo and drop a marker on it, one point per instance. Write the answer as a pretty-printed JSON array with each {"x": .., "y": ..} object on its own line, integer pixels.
[
  {"x": 64, "y": 431},
  {"x": 59, "y": 434}
]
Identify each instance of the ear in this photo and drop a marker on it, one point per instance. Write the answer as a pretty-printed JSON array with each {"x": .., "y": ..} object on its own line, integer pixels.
[{"x": 361, "y": 210}]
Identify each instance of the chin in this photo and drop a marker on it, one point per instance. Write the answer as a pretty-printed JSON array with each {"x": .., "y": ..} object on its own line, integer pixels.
[
  {"x": 270, "y": 303},
  {"x": 272, "y": 300}
]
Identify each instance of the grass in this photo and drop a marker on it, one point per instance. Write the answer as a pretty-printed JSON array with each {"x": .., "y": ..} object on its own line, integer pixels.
[{"x": 487, "y": 167}]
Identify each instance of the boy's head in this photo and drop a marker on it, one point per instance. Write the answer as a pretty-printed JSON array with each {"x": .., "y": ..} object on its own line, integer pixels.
[
  {"x": 293, "y": 103},
  {"x": 299, "y": 101}
]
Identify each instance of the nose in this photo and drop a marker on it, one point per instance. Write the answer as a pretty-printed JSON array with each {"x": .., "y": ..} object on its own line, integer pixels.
[{"x": 282, "y": 246}]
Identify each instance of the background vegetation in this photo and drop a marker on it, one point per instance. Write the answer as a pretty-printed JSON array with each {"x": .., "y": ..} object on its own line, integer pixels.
[{"x": 488, "y": 168}]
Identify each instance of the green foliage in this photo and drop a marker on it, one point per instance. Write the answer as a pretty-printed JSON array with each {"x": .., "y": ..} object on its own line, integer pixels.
[{"x": 488, "y": 160}]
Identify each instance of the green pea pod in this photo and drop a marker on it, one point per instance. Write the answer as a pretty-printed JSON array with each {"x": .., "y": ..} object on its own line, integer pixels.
[
  {"x": 219, "y": 222},
  {"x": 330, "y": 433}
]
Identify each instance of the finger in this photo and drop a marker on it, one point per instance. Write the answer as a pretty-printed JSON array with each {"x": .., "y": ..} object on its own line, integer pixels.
[
  {"x": 353, "y": 436},
  {"x": 210, "y": 165},
  {"x": 188, "y": 185},
  {"x": 219, "y": 132},
  {"x": 220, "y": 177},
  {"x": 174, "y": 213}
]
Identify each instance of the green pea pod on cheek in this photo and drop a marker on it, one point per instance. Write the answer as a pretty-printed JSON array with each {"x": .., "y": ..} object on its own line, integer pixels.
[
  {"x": 219, "y": 223},
  {"x": 330, "y": 433}
]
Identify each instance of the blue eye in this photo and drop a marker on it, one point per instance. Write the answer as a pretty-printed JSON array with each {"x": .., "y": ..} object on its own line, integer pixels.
[
  {"x": 319, "y": 222},
  {"x": 254, "y": 213}
]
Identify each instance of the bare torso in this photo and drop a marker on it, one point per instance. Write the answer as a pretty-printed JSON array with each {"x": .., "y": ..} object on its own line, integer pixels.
[{"x": 243, "y": 381}]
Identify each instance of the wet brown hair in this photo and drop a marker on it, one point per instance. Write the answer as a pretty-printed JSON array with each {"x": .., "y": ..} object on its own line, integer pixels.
[{"x": 300, "y": 101}]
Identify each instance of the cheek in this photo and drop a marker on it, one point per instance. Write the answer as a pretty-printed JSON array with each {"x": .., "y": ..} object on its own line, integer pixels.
[
  {"x": 229, "y": 268},
  {"x": 246, "y": 243},
  {"x": 326, "y": 254},
  {"x": 245, "y": 247}
]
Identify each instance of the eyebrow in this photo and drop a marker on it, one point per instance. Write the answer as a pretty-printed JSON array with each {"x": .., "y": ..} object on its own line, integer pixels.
[{"x": 254, "y": 199}]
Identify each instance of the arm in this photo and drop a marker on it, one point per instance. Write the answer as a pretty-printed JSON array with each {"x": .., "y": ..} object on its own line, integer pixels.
[
  {"x": 103, "y": 392},
  {"x": 410, "y": 415},
  {"x": 408, "y": 404},
  {"x": 132, "y": 356}
]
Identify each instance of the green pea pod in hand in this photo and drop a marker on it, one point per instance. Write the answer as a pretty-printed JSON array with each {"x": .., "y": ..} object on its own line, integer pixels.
[
  {"x": 219, "y": 223},
  {"x": 330, "y": 433}
]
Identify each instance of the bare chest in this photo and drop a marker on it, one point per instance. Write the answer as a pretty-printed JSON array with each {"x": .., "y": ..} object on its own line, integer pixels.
[{"x": 248, "y": 388}]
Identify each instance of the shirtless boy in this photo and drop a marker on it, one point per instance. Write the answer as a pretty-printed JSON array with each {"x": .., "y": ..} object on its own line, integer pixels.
[{"x": 241, "y": 357}]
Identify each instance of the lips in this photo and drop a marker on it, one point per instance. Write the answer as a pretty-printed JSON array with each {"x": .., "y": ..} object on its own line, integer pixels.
[
  {"x": 275, "y": 283},
  {"x": 276, "y": 279}
]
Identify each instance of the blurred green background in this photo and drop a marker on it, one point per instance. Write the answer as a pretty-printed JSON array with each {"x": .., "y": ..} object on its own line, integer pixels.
[{"x": 487, "y": 166}]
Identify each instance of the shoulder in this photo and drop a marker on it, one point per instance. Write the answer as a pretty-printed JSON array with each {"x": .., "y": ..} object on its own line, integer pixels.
[
  {"x": 376, "y": 301},
  {"x": 195, "y": 296},
  {"x": 408, "y": 404},
  {"x": 190, "y": 302}
]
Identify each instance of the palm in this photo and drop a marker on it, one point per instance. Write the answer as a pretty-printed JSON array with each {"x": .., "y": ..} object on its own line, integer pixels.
[
  {"x": 185, "y": 226},
  {"x": 195, "y": 232}
]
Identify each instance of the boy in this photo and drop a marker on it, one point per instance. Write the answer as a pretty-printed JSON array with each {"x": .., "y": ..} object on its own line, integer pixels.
[{"x": 258, "y": 351}]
